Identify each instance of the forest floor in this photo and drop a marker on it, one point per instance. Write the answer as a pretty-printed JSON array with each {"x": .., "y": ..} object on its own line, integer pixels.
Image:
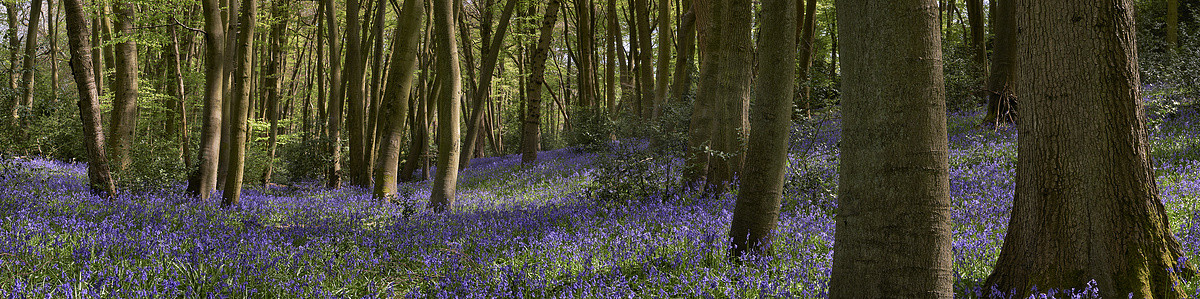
[{"x": 524, "y": 232}]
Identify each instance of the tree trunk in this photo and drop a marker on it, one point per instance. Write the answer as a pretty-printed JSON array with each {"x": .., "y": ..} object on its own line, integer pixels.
[
  {"x": 686, "y": 44},
  {"x": 1086, "y": 204},
  {"x": 725, "y": 81},
  {"x": 1173, "y": 23},
  {"x": 355, "y": 122},
  {"x": 587, "y": 50},
  {"x": 610, "y": 56},
  {"x": 628, "y": 91},
  {"x": 893, "y": 223},
  {"x": 241, "y": 105},
  {"x": 336, "y": 98},
  {"x": 372, "y": 133},
  {"x": 757, "y": 209},
  {"x": 1002, "y": 102},
  {"x": 271, "y": 79},
  {"x": 491, "y": 56},
  {"x": 700, "y": 125},
  {"x": 531, "y": 128},
  {"x": 123, "y": 118},
  {"x": 178, "y": 104},
  {"x": 662, "y": 80},
  {"x": 204, "y": 179},
  {"x": 14, "y": 44},
  {"x": 645, "y": 54},
  {"x": 806, "y": 54},
  {"x": 394, "y": 109},
  {"x": 31, "y": 46},
  {"x": 978, "y": 44},
  {"x": 99, "y": 179},
  {"x": 443, "y": 194}
]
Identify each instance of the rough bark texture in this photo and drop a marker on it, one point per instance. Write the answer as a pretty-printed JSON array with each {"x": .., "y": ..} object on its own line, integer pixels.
[
  {"x": 204, "y": 179},
  {"x": 241, "y": 105},
  {"x": 1002, "y": 76},
  {"x": 31, "y": 46},
  {"x": 99, "y": 179},
  {"x": 491, "y": 56},
  {"x": 724, "y": 86},
  {"x": 531, "y": 134},
  {"x": 892, "y": 238},
  {"x": 696, "y": 159},
  {"x": 123, "y": 117},
  {"x": 336, "y": 98},
  {"x": 442, "y": 194},
  {"x": 757, "y": 209},
  {"x": 1086, "y": 204},
  {"x": 587, "y": 52},
  {"x": 394, "y": 109},
  {"x": 978, "y": 44}
]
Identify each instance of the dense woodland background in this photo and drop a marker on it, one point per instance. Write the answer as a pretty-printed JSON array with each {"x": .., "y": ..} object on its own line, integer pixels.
[{"x": 678, "y": 103}]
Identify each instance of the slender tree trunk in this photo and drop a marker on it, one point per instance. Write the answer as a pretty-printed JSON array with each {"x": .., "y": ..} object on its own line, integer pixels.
[
  {"x": 52, "y": 35},
  {"x": 178, "y": 104},
  {"x": 125, "y": 91},
  {"x": 757, "y": 209},
  {"x": 686, "y": 44},
  {"x": 645, "y": 54},
  {"x": 359, "y": 172},
  {"x": 628, "y": 90},
  {"x": 99, "y": 179},
  {"x": 336, "y": 98},
  {"x": 271, "y": 79},
  {"x": 394, "y": 109},
  {"x": 204, "y": 179},
  {"x": 610, "y": 56},
  {"x": 97, "y": 55},
  {"x": 241, "y": 105},
  {"x": 806, "y": 54},
  {"x": 1173, "y": 23},
  {"x": 893, "y": 222},
  {"x": 14, "y": 44},
  {"x": 372, "y": 133},
  {"x": 443, "y": 194},
  {"x": 587, "y": 50},
  {"x": 1001, "y": 84},
  {"x": 491, "y": 56},
  {"x": 419, "y": 143},
  {"x": 31, "y": 46},
  {"x": 662, "y": 79},
  {"x": 1086, "y": 205},
  {"x": 531, "y": 128}
]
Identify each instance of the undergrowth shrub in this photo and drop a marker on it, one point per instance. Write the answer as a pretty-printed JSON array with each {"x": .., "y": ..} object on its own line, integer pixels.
[
  {"x": 304, "y": 160},
  {"x": 627, "y": 172}
]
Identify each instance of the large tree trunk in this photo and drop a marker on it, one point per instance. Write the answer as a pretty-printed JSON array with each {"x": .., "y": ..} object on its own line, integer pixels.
[
  {"x": 700, "y": 125},
  {"x": 1002, "y": 102},
  {"x": 893, "y": 223},
  {"x": 272, "y": 82},
  {"x": 394, "y": 109},
  {"x": 204, "y": 179},
  {"x": 725, "y": 84},
  {"x": 123, "y": 117},
  {"x": 757, "y": 209},
  {"x": 99, "y": 179},
  {"x": 978, "y": 44},
  {"x": 336, "y": 98},
  {"x": 241, "y": 105},
  {"x": 1086, "y": 205},
  {"x": 531, "y": 134},
  {"x": 443, "y": 194},
  {"x": 356, "y": 122},
  {"x": 686, "y": 44},
  {"x": 645, "y": 53},
  {"x": 31, "y": 46},
  {"x": 491, "y": 56}
]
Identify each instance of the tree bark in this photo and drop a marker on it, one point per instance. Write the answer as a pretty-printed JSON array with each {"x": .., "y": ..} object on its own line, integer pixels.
[
  {"x": 241, "y": 105},
  {"x": 31, "y": 45},
  {"x": 645, "y": 64},
  {"x": 99, "y": 179},
  {"x": 662, "y": 87},
  {"x": 178, "y": 104},
  {"x": 610, "y": 56},
  {"x": 14, "y": 44},
  {"x": 356, "y": 122},
  {"x": 443, "y": 193},
  {"x": 806, "y": 54},
  {"x": 978, "y": 44},
  {"x": 696, "y": 160},
  {"x": 587, "y": 50},
  {"x": 394, "y": 109},
  {"x": 757, "y": 209},
  {"x": 204, "y": 179},
  {"x": 1086, "y": 204},
  {"x": 686, "y": 44},
  {"x": 123, "y": 118},
  {"x": 336, "y": 98},
  {"x": 1173, "y": 23},
  {"x": 491, "y": 56},
  {"x": 725, "y": 85},
  {"x": 1001, "y": 84},
  {"x": 271, "y": 79},
  {"x": 893, "y": 223},
  {"x": 531, "y": 127}
]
